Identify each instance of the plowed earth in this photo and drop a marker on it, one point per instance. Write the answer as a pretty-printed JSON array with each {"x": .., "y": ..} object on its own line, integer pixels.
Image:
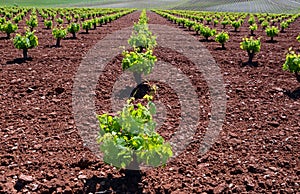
[{"x": 257, "y": 150}]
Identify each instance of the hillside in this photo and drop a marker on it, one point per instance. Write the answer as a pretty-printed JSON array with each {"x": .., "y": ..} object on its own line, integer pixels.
[{"x": 269, "y": 6}]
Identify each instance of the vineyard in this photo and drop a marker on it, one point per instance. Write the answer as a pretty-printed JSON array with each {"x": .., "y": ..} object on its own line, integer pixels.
[
  {"x": 51, "y": 55},
  {"x": 249, "y": 6}
]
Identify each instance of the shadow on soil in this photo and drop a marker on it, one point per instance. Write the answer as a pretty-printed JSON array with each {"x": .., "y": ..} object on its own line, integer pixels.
[
  {"x": 220, "y": 49},
  {"x": 19, "y": 61},
  {"x": 52, "y": 46},
  {"x": 271, "y": 41},
  {"x": 204, "y": 40},
  {"x": 124, "y": 93},
  {"x": 253, "y": 64},
  {"x": 130, "y": 183},
  {"x": 138, "y": 92},
  {"x": 295, "y": 95}
]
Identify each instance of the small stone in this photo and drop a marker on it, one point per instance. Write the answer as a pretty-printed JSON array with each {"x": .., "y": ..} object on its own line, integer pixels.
[
  {"x": 273, "y": 168},
  {"x": 249, "y": 184},
  {"x": 238, "y": 90},
  {"x": 234, "y": 135},
  {"x": 2, "y": 179},
  {"x": 281, "y": 133},
  {"x": 255, "y": 169},
  {"x": 37, "y": 146},
  {"x": 29, "y": 90},
  {"x": 102, "y": 183},
  {"x": 50, "y": 176},
  {"x": 283, "y": 117},
  {"x": 59, "y": 90},
  {"x": 59, "y": 190},
  {"x": 34, "y": 187},
  {"x": 82, "y": 176},
  {"x": 289, "y": 147},
  {"x": 68, "y": 190},
  {"x": 26, "y": 178},
  {"x": 220, "y": 188},
  {"x": 56, "y": 100},
  {"x": 14, "y": 148},
  {"x": 167, "y": 187},
  {"x": 278, "y": 89},
  {"x": 261, "y": 184},
  {"x": 273, "y": 123}
]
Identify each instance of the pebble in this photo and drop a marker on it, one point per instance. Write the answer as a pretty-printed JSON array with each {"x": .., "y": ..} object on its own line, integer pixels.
[
  {"x": 34, "y": 187},
  {"x": 26, "y": 178},
  {"x": 273, "y": 123},
  {"x": 220, "y": 188},
  {"x": 273, "y": 168},
  {"x": 82, "y": 176}
]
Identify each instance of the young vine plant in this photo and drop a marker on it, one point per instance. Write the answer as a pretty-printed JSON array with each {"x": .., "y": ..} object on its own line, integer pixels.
[
  {"x": 25, "y": 42},
  {"x": 130, "y": 137},
  {"x": 252, "y": 46},
  {"x": 292, "y": 63},
  {"x": 222, "y": 38}
]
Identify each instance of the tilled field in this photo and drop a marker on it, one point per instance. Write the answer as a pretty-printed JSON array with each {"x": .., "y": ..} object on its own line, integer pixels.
[{"x": 257, "y": 150}]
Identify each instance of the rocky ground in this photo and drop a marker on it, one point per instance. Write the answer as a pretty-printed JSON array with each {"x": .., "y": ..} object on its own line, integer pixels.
[{"x": 257, "y": 150}]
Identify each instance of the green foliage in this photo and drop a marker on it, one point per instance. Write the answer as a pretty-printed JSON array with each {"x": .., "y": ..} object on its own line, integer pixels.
[
  {"x": 215, "y": 22},
  {"x": 197, "y": 27},
  {"x": 17, "y": 19},
  {"x": 250, "y": 45},
  {"x": 225, "y": 22},
  {"x": 200, "y": 19},
  {"x": 251, "y": 20},
  {"x": 272, "y": 31},
  {"x": 48, "y": 24},
  {"x": 32, "y": 22},
  {"x": 87, "y": 25},
  {"x": 207, "y": 32},
  {"x": 208, "y": 20},
  {"x": 2, "y": 20},
  {"x": 138, "y": 62},
  {"x": 28, "y": 41},
  {"x": 76, "y": 17},
  {"x": 289, "y": 21},
  {"x": 142, "y": 37},
  {"x": 252, "y": 28},
  {"x": 9, "y": 28},
  {"x": 222, "y": 38},
  {"x": 131, "y": 136},
  {"x": 298, "y": 37},
  {"x": 292, "y": 62},
  {"x": 69, "y": 18},
  {"x": 95, "y": 22},
  {"x": 189, "y": 23},
  {"x": 73, "y": 28},
  {"x": 143, "y": 17},
  {"x": 59, "y": 20},
  {"x": 236, "y": 25},
  {"x": 59, "y": 32},
  {"x": 261, "y": 19},
  {"x": 283, "y": 25},
  {"x": 264, "y": 24}
]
